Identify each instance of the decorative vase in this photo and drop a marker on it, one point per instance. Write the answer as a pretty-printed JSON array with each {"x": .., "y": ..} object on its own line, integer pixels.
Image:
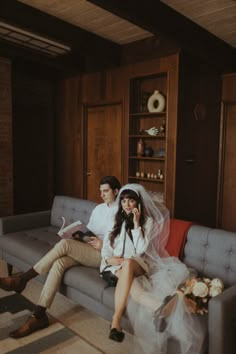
[
  {"x": 156, "y": 102},
  {"x": 140, "y": 147},
  {"x": 148, "y": 152}
]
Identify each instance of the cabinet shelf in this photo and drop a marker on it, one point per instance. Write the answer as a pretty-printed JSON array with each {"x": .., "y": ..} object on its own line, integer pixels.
[
  {"x": 147, "y": 136},
  {"x": 148, "y": 114},
  {"x": 147, "y": 158},
  {"x": 154, "y": 180}
]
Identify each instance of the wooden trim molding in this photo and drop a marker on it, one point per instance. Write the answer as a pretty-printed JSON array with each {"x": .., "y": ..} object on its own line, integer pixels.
[{"x": 222, "y": 159}]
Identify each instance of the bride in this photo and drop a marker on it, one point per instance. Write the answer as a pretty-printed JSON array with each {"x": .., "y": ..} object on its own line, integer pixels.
[{"x": 134, "y": 257}]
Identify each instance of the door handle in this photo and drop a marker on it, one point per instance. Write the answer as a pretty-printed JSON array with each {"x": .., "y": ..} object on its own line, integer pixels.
[
  {"x": 88, "y": 173},
  {"x": 190, "y": 160}
]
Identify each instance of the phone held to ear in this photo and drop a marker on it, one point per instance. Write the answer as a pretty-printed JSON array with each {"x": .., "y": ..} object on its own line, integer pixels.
[
  {"x": 129, "y": 221},
  {"x": 130, "y": 217}
]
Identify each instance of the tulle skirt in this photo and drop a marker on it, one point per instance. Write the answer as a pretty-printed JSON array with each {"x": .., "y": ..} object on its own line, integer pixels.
[{"x": 185, "y": 332}]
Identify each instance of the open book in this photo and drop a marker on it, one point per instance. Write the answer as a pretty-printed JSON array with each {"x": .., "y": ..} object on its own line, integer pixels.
[{"x": 76, "y": 230}]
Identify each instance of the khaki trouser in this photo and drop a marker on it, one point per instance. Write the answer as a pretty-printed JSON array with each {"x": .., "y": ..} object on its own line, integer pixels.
[{"x": 62, "y": 256}]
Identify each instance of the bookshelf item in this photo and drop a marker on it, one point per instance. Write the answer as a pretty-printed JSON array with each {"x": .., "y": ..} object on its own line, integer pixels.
[
  {"x": 147, "y": 132},
  {"x": 156, "y": 102}
]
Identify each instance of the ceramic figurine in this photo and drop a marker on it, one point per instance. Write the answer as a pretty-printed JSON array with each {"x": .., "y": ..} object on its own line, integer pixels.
[
  {"x": 152, "y": 131},
  {"x": 159, "y": 173}
]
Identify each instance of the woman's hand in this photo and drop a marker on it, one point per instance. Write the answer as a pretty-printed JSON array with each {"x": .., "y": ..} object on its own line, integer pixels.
[
  {"x": 96, "y": 243},
  {"x": 114, "y": 260},
  {"x": 137, "y": 215}
]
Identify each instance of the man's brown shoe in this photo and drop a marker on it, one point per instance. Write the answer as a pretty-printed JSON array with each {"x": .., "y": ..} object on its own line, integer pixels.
[
  {"x": 14, "y": 283},
  {"x": 33, "y": 324}
]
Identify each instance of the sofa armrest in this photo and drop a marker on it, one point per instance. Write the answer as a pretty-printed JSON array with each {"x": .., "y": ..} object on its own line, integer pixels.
[
  {"x": 20, "y": 222},
  {"x": 222, "y": 322}
]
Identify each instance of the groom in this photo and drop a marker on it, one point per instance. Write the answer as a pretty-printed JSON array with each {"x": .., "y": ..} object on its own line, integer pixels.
[{"x": 63, "y": 255}]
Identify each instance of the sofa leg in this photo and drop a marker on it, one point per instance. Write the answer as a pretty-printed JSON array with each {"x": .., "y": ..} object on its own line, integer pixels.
[{"x": 9, "y": 269}]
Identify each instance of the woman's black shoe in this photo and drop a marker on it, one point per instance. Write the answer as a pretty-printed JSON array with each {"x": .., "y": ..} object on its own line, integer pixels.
[
  {"x": 116, "y": 335},
  {"x": 160, "y": 321},
  {"x": 160, "y": 324}
]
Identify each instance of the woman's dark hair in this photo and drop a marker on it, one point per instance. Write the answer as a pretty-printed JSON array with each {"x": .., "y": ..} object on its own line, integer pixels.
[
  {"x": 121, "y": 216},
  {"x": 113, "y": 182}
]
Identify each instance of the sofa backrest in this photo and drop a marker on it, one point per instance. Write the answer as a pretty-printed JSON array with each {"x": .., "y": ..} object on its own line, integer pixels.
[
  {"x": 212, "y": 252},
  {"x": 72, "y": 209}
]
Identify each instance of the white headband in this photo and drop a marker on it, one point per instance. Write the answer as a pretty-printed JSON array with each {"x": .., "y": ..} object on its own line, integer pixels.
[{"x": 131, "y": 187}]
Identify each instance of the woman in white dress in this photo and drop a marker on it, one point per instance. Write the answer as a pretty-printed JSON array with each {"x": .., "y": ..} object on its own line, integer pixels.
[{"x": 134, "y": 252}]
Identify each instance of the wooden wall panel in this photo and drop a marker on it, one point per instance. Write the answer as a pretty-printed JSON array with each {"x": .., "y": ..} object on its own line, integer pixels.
[
  {"x": 68, "y": 176},
  {"x": 6, "y": 157},
  {"x": 107, "y": 87},
  {"x": 33, "y": 133}
]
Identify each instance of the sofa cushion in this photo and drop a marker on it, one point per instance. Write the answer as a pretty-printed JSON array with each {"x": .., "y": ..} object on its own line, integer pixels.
[
  {"x": 30, "y": 245},
  {"x": 108, "y": 297},
  {"x": 72, "y": 209},
  {"x": 87, "y": 280},
  {"x": 212, "y": 252}
]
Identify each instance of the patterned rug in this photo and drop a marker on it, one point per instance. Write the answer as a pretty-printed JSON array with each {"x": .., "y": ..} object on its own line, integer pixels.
[{"x": 14, "y": 310}]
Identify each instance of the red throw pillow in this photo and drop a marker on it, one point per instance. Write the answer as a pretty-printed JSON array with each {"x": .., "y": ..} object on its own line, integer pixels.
[{"x": 177, "y": 237}]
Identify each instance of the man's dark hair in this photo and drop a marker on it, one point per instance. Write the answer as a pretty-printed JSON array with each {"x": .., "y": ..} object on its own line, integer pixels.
[{"x": 113, "y": 182}]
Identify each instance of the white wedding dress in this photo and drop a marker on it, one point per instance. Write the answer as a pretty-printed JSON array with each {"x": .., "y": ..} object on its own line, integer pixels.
[{"x": 188, "y": 331}]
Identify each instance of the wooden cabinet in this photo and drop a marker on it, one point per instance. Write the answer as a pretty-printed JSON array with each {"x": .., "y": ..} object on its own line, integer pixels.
[
  {"x": 191, "y": 140},
  {"x": 148, "y": 165},
  {"x": 142, "y": 80}
]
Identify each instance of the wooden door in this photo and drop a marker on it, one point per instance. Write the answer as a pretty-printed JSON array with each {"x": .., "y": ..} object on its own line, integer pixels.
[
  {"x": 227, "y": 180},
  {"x": 197, "y": 144},
  {"x": 103, "y": 154}
]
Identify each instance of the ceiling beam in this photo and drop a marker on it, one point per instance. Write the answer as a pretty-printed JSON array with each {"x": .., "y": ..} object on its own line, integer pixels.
[
  {"x": 158, "y": 18},
  {"x": 84, "y": 45}
]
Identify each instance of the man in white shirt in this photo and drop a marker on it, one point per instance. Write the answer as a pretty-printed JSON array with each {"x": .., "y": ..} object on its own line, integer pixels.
[{"x": 63, "y": 255}]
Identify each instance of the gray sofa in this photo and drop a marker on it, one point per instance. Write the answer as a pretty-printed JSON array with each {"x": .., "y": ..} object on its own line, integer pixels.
[{"x": 24, "y": 239}]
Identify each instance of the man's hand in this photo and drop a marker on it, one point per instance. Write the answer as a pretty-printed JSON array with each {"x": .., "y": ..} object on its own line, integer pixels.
[{"x": 96, "y": 243}]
